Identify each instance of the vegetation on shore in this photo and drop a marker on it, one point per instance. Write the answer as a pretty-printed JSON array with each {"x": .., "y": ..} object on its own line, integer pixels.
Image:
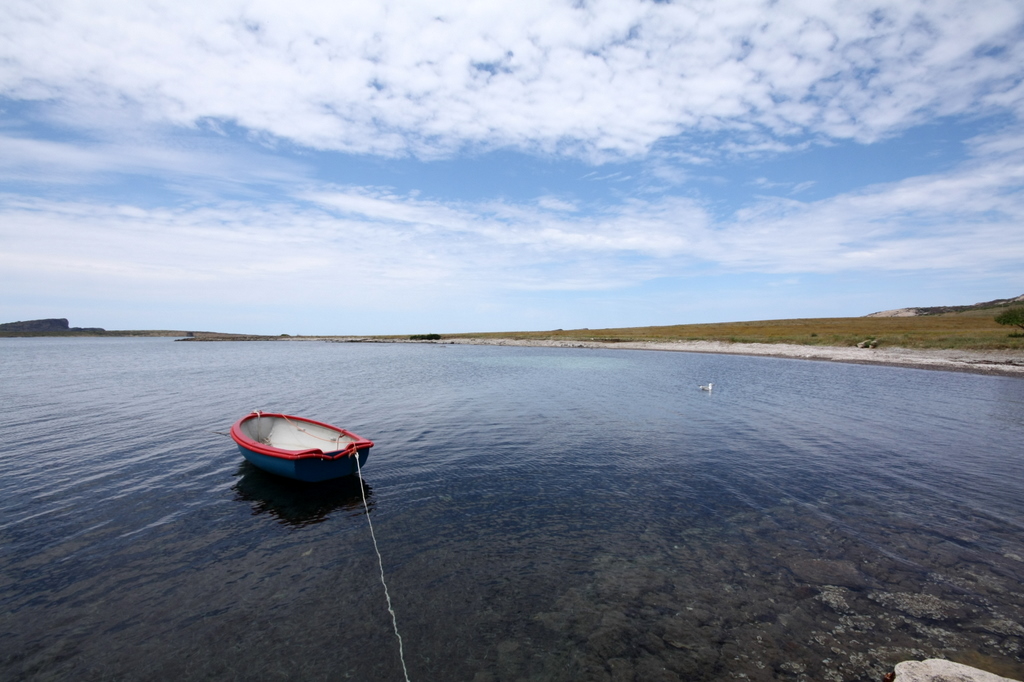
[
  {"x": 977, "y": 327},
  {"x": 1013, "y": 317},
  {"x": 968, "y": 331}
]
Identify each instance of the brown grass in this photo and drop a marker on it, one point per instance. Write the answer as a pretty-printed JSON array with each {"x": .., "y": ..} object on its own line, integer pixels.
[{"x": 969, "y": 330}]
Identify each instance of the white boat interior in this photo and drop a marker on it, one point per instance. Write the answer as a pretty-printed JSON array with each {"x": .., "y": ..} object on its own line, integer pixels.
[{"x": 292, "y": 434}]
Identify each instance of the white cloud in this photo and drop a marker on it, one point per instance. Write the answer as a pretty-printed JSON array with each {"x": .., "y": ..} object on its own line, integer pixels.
[
  {"x": 967, "y": 220},
  {"x": 56, "y": 162},
  {"x": 343, "y": 247},
  {"x": 596, "y": 79},
  {"x": 792, "y": 187},
  {"x": 555, "y": 204}
]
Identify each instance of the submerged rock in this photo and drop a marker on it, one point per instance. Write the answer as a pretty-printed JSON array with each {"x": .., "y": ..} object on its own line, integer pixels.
[
  {"x": 825, "y": 572},
  {"x": 938, "y": 670}
]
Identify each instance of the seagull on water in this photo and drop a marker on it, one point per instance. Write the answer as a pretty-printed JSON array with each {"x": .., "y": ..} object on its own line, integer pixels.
[{"x": 708, "y": 387}]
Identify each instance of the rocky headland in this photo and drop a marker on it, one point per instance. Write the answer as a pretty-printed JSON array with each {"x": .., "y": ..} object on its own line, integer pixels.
[{"x": 53, "y": 324}]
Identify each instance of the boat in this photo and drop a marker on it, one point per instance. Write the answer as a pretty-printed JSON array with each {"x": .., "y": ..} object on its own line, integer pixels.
[{"x": 299, "y": 448}]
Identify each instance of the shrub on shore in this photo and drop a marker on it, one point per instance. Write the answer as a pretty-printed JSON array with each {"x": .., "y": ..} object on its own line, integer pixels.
[{"x": 1013, "y": 317}]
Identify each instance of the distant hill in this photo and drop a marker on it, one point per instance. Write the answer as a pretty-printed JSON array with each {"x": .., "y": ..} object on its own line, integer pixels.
[
  {"x": 58, "y": 326},
  {"x": 947, "y": 309},
  {"x": 52, "y": 324}
]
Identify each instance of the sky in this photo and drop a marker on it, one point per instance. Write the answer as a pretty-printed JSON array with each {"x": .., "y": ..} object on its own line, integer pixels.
[{"x": 418, "y": 167}]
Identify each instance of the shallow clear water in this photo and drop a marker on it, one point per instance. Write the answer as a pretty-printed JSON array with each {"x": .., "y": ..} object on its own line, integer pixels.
[{"x": 543, "y": 514}]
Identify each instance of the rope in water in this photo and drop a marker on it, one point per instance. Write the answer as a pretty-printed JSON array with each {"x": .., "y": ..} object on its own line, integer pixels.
[
  {"x": 373, "y": 536},
  {"x": 380, "y": 561}
]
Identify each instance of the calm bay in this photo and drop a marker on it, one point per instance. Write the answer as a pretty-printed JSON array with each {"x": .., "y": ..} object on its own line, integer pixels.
[{"x": 543, "y": 514}]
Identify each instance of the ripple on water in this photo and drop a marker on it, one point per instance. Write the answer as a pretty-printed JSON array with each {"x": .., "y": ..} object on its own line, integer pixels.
[{"x": 543, "y": 513}]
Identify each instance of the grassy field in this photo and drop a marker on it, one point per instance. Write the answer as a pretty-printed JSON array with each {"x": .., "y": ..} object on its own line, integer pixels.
[{"x": 968, "y": 330}]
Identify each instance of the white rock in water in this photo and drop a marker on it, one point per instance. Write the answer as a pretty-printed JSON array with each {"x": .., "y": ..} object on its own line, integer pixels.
[{"x": 938, "y": 670}]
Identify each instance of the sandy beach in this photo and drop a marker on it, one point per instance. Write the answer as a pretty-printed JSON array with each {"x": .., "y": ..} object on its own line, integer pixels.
[{"x": 1006, "y": 362}]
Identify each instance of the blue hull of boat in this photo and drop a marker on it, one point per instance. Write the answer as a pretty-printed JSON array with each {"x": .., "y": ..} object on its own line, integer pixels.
[{"x": 308, "y": 469}]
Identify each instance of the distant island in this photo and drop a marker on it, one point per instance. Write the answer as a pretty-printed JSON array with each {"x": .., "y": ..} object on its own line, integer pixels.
[
  {"x": 59, "y": 326},
  {"x": 48, "y": 325}
]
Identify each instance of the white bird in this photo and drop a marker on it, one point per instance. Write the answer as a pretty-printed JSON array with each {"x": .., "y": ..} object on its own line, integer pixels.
[{"x": 708, "y": 387}]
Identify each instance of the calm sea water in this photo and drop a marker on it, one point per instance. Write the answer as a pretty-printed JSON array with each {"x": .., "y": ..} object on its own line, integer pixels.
[{"x": 543, "y": 514}]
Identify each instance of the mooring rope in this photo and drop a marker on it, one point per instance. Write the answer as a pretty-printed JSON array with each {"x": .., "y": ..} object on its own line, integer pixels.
[
  {"x": 373, "y": 536},
  {"x": 380, "y": 562}
]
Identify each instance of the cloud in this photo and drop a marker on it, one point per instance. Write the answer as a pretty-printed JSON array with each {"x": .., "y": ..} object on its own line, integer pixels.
[
  {"x": 556, "y": 204},
  {"x": 967, "y": 221},
  {"x": 24, "y": 159},
  {"x": 346, "y": 247},
  {"x": 597, "y": 80},
  {"x": 793, "y": 187}
]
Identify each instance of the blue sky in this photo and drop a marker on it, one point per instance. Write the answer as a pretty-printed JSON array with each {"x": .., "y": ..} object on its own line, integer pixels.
[{"x": 316, "y": 168}]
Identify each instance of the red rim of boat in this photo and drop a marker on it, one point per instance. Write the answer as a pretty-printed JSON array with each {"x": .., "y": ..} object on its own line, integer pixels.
[{"x": 255, "y": 446}]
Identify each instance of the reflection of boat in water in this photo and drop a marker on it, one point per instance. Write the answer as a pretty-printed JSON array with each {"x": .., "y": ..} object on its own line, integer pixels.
[
  {"x": 299, "y": 448},
  {"x": 299, "y": 504}
]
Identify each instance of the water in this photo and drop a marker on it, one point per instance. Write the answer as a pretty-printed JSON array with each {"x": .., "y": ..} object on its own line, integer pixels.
[{"x": 544, "y": 514}]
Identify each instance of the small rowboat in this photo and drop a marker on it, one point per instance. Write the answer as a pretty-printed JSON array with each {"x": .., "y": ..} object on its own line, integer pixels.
[{"x": 299, "y": 448}]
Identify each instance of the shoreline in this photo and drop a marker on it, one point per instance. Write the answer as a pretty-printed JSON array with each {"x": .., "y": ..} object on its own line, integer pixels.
[
  {"x": 998, "y": 362},
  {"x": 992, "y": 362}
]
